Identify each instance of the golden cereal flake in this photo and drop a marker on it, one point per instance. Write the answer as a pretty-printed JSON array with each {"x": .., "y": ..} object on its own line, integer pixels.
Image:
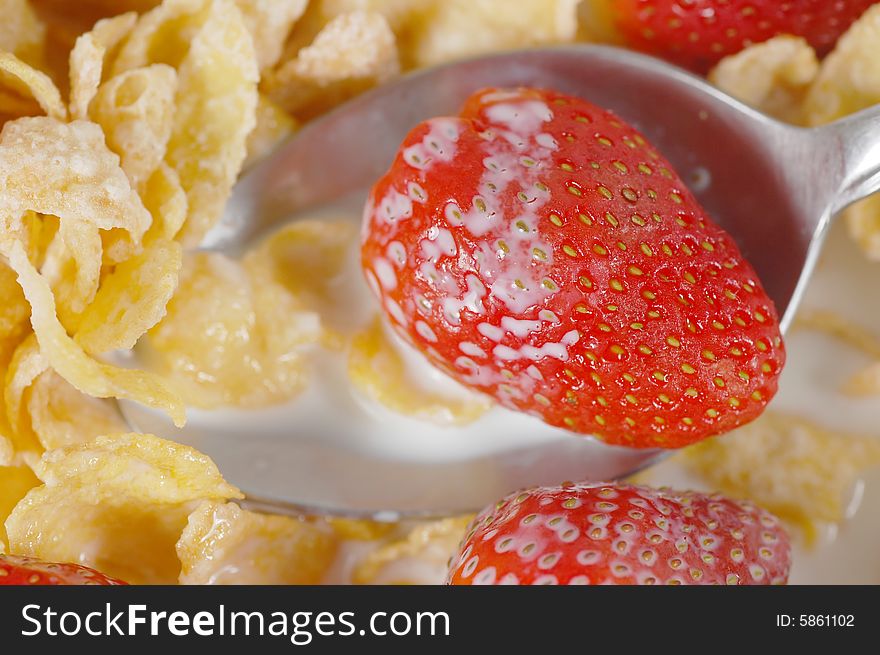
[
  {"x": 419, "y": 557},
  {"x": 166, "y": 201},
  {"x": 72, "y": 267},
  {"x": 66, "y": 170},
  {"x": 224, "y": 544},
  {"x": 136, "y": 109},
  {"x": 27, "y": 82},
  {"x": 72, "y": 363},
  {"x": 15, "y": 482},
  {"x": 228, "y": 339},
  {"x": 118, "y": 504},
  {"x": 772, "y": 76},
  {"x": 21, "y": 31},
  {"x": 25, "y": 366},
  {"x": 453, "y": 29},
  {"x": 379, "y": 372},
  {"x": 61, "y": 416},
  {"x": 132, "y": 299},
  {"x": 849, "y": 77},
  {"x": 86, "y": 67},
  {"x": 352, "y": 53},
  {"x": 270, "y": 22},
  {"x": 793, "y": 468},
  {"x": 848, "y": 81}
]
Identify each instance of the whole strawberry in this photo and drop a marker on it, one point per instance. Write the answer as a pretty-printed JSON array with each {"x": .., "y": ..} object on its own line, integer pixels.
[
  {"x": 598, "y": 533},
  {"x": 539, "y": 250},
  {"x": 28, "y": 571},
  {"x": 699, "y": 33}
]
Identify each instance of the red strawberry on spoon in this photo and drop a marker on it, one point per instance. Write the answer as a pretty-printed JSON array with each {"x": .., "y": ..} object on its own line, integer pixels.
[
  {"x": 598, "y": 533},
  {"x": 539, "y": 250},
  {"x": 28, "y": 571},
  {"x": 697, "y": 34}
]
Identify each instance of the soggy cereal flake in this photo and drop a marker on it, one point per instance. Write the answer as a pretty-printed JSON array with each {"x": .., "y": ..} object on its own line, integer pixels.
[
  {"x": 15, "y": 482},
  {"x": 849, "y": 77},
  {"x": 274, "y": 125},
  {"x": 165, "y": 199},
  {"x": 791, "y": 467},
  {"x": 21, "y": 31},
  {"x": 308, "y": 258},
  {"x": 62, "y": 416},
  {"x": 66, "y": 170},
  {"x": 229, "y": 339},
  {"x": 459, "y": 28},
  {"x": 378, "y": 371},
  {"x": 215, "y": 104},
  {"x": 224, "y": 544},
  {"x": 420, "y": 557},
  {"x": 136, "y": 109},
  {"x": 132, "y": 299},
  {"x": 772, "y": 76},
  {"x": 118, "y": 504},
  {"x": 17, "y": 77},
  {"x": 87, "y": 60},
  {"x": 865, "y": 382},
  {"x": 352, "y": 53},
  {"x": 269, "y": 22},
  {"x": 72, "y": 267},
  {"x": 71, "y": 362},
  {"x": 360, "y": 529}
]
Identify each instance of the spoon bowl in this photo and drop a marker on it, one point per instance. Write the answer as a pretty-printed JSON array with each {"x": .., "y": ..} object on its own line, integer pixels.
[{"x": 772, "y": 186}]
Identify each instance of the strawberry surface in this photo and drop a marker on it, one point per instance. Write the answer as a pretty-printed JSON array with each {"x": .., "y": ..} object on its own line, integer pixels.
[
  {"x": 28, "y": 571},
  {"x": 538, "y": 249},
  {"x": 699, "y": 33},
  {"x": 598, "y": 533}
]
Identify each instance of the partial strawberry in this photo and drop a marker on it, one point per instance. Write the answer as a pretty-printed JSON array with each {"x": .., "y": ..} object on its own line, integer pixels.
[
  {"x": 28, "y": 571},
  {"x": 599, "y": 533},
  {"x": 697, "y": 34},
  {"x": 539, "y": 250}
]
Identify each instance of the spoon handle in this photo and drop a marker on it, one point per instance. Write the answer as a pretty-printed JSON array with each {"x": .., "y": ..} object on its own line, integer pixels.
[{"x": 856, "y": 142}]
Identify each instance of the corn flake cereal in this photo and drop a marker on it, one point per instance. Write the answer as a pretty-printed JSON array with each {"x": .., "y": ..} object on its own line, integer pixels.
[
  {"x": 352, "y": 53},
  {"x": 118, "y": 504},
  {"x": 87, "y": 60},
  {"x": 215, "y": 102},
  {"x": 772, "y": 76},
  {"x": 131, "y": 300},
  {"x": 459, "y": 28},
  {"x": 15, "y": 482},
  {"x": 224, "y": 544},
  {"x": 62, "y": 416},
  {"x": 269, "y": 23},
  {"x": 420, "y": 557},
  {"x": 378, "y": 371},
  {"x": 71, "y": 362},
  {"x": 66, "y": 170},
  {"x": 787, "y": 465},
  {"x": 19, "y": 78},
  {"x": 72, "y": 267},
  {"x": 136, "y": 109},
  {"x": 22, "y": 32},
  {"x": 229, "y": 341}
]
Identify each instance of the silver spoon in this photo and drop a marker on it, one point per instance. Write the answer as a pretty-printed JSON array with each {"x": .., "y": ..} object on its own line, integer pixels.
[{"x": 774, "y": 187}]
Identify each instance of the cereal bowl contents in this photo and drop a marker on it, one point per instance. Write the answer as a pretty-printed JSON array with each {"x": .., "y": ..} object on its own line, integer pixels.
[{"x": 126, "y": 125}]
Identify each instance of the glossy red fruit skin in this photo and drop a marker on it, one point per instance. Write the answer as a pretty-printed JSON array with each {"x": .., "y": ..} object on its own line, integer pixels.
[
  {"x": 697, "y": 34},
  {"x": 654, "y": 330},
  {"x": 602, "y": 533},
  {"x": 28, "y": 571}
]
